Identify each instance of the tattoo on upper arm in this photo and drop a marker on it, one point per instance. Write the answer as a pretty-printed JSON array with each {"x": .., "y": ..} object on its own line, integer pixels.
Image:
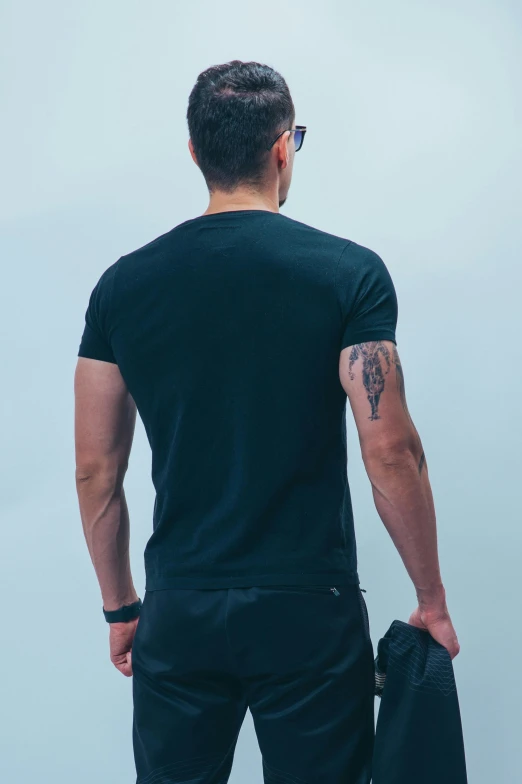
[
  {"x": 373, "y": 379},
  {"x": 372, "y": 374}
]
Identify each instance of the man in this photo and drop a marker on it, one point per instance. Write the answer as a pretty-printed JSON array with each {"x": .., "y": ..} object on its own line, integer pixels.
[{"x": 238, "y": 336}]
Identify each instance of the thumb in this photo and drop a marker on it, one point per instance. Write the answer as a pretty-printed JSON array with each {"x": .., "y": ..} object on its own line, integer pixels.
[{"x": 415, "y": 620}]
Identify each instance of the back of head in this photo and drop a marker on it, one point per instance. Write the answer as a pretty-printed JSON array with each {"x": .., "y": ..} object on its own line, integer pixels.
[{"x": 235, "y": 111}]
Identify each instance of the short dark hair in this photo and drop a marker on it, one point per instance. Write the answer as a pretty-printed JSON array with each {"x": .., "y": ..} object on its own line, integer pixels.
[{"x": 235, "y": 111}]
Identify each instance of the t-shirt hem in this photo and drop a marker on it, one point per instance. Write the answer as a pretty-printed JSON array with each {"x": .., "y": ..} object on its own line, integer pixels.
[
  {"x": 88, "y": 354},
  {"x": 368, "y": 335},
  {"x": 158, "y": 583}
]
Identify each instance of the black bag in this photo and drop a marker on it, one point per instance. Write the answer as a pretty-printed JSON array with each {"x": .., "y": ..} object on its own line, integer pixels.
[{"x": 418, "y": 738}]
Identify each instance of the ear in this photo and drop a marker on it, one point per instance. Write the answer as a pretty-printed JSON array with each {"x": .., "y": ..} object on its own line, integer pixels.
[
  {"x": 283, "y": 154},
  {"x": 192, "y": 153}
]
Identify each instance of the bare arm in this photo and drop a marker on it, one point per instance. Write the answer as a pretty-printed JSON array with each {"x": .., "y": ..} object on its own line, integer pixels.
[
  {"x": 371, "y": 375},
  {"x": 105, "y": 416}
]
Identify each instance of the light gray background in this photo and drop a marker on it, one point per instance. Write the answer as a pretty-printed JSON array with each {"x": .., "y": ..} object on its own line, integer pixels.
[{"x": 413, "y": 149}]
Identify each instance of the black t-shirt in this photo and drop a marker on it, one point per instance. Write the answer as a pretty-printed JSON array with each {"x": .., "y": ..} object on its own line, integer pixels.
[{"x": 227, "y": 330}]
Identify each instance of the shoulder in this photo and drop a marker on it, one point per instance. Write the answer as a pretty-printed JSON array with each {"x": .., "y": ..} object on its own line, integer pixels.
[
  {"x": 129, "y": 264},
  {"x": 103, "y": 287},
  {"x": 326, "y": 238},
  {"x": 362, "y": 264},
  {"x": 350, "y": 253},
  {"x": 361, "y": 254}
]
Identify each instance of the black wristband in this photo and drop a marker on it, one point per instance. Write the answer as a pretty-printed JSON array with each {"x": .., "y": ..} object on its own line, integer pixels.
[{"x": 125, "y": 613}]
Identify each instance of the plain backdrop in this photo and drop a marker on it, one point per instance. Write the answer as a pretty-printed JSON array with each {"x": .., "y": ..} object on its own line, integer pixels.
[{"x": 413, "y": 149}]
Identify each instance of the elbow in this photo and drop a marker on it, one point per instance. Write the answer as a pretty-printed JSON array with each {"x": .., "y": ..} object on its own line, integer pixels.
[
  {"x": 100, "y": 473},
  {"x": 392, "y": 453}
]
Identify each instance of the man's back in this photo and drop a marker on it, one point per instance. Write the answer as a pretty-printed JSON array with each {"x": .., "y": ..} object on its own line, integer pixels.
[
  {"x": 239, "y": 336},
  {"x": 227, "y": 331}
]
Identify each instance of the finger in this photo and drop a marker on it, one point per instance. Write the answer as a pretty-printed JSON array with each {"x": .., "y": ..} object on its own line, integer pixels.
[
  {"x": 125, "y": 669},
  {"x": 123, "y": 663},
  {"x": 456, "y": 649},
  {"x": 416, "y": 621}
]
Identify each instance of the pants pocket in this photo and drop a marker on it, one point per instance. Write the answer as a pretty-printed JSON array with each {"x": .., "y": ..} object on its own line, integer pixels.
[
  {"x": 306, "y": 588},
  {"x": 364, "y": 612}
]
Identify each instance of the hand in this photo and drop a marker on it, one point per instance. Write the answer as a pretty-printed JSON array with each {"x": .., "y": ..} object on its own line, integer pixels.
[
  {"x": 121, "y": 636},
  {"x": 437, "y": 621}
]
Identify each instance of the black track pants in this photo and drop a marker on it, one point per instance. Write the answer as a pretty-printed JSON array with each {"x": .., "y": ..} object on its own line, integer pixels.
[{"x": 300, "y": 657}]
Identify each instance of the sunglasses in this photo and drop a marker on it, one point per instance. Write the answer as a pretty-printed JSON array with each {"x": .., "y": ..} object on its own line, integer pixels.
[{"x": 299, "y": 134}]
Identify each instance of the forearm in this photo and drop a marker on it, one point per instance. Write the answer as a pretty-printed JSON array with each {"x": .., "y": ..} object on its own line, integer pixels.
[
  {"x": 105, "y": 521},
  {"x": 404, "y": 501}
]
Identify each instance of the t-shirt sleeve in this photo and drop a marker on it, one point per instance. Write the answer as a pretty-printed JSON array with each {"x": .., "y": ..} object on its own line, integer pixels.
[
  {"x": 95, "y": 341},
  {"x": 367, "y": 295}
]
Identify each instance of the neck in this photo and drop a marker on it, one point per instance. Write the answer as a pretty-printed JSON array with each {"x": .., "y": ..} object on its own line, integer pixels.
[{"x": 242, "y": 199}]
